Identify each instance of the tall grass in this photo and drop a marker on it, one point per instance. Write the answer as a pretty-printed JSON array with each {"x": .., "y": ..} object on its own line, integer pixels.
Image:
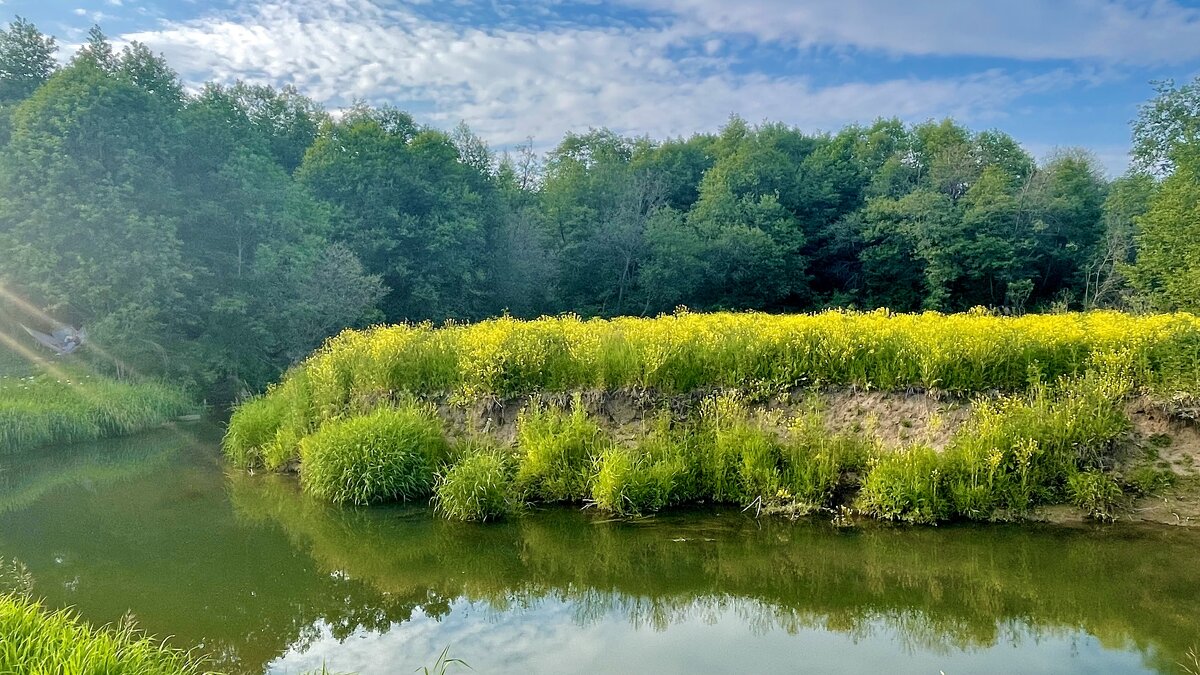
[
  {"x": 34, "y": 640},
  {"x": 388, "y": 455},
  {"x": 479, "y": 485},
  {"x": 74, "y": 406},
  {"x": 963, "y": 353},
  {"x": 1013, "y": 454},
  {"x": 557, "y": 451}
]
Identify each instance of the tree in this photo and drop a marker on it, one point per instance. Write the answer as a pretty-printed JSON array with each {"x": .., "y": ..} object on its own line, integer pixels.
[
  {"x": 1106, "y": 283},
  {"x": 26, "y": 60},
  {"x": 411, "y": 210},
  {"x": 1167, "y": 270},
  {"x": 1165, "y": 125}
]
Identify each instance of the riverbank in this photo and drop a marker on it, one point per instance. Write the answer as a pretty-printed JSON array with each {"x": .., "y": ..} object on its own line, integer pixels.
[
  {"x": 72, "y": 405},
  {"x": 917, "y": 418}
]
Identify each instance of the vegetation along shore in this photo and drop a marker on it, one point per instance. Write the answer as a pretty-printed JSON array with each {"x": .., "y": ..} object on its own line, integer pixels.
[{"x": 920, "y": 418}]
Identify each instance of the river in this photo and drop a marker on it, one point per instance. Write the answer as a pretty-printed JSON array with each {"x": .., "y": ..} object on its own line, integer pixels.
[{"x": 249, "y": 570}]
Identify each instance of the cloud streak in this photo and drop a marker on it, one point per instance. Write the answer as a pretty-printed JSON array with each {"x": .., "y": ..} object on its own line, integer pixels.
[{"x": 664, "y": 78}]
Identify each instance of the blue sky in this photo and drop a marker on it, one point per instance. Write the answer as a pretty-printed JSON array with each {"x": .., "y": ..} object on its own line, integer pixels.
[{"x": 1053, "y": 73}]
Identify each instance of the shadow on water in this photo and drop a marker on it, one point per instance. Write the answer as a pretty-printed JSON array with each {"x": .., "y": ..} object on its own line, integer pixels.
[{"x": 254, "y": 572}]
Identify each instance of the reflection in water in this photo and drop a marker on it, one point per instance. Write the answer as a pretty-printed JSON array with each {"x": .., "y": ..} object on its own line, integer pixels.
[{"x": 270, "y": 580}]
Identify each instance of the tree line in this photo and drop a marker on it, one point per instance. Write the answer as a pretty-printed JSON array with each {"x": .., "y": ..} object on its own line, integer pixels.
[{"x": 219, "y": 235}]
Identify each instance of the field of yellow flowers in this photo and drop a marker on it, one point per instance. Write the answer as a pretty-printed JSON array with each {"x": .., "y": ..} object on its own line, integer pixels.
[{"x": 1049, "y": 369}]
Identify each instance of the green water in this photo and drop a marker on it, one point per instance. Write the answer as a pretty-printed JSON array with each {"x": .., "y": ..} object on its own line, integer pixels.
[{"x": 266, "y": 580}]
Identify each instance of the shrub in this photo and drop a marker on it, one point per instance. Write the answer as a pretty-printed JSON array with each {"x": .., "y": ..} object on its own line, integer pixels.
[
  {"x": 387, "y": 455},
  {"x": 478, "y": 487},
  {"x": 557, "y": 451}
]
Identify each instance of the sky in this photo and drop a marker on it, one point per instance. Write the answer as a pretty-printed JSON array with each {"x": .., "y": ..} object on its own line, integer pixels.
[{"x": 1053, "y": 73}]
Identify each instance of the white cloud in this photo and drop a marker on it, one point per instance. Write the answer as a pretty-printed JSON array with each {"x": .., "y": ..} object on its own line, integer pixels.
[
  {"x": 1119, "y": 31},
  {"x": 510, "y": 83}
]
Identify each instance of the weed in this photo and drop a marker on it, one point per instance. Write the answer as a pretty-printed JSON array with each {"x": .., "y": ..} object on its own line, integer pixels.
[{"x": 558, "y": 450}]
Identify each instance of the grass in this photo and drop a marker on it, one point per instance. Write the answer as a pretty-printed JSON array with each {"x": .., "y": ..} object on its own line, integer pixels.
[
  {"x": 557, "y": 450},
  {"x": 388, "y": 455},
  {"x": 40, "y": 642},
  {"x": 1047, "y": 413},
  {"x": 73, "y": 406},
  {"x": 962, "y": 353},
  {"x": 1014, "y": 454},
  {"x": 479, "y": 486}
]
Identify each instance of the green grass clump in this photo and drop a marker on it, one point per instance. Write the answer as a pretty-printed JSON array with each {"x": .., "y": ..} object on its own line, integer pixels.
[
  {"x": 557, "y": 452},
  {"x": 907, "y": 485},
  {"x": 1098, "y": 494},
  {"x": 479, "y": 487},
  {"x": 36, "y": 641},
  {"x": 658, "y": 472},
  {"x": 68, "y": 406},
  {"x": 388, "y": 455},
  {"x": 816, "y": 461}
]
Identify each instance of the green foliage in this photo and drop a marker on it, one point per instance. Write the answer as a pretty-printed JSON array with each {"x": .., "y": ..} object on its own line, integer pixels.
[
  {"x": 1096, "y": 493},
  {"x": 907, "y": 485},
  {"x": 478, "y": 487},
  {"x": 26, "y": 60},
  {"x": 1014, "y": 454},
  {"x": 557, "y": 451},
  {"x": 1168, "y": 262},
  {"x": 659, "y": 471},
  {"x": 387, "y": 455},
  {"x": 35, "y": 640},
  {"x": 70, "y": 406},
  {"x": 815, "y": 461}
]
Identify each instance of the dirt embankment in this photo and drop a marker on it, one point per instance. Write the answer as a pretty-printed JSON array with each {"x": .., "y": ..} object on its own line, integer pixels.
[
  {"x": 1160, "y": 437},
  {"x": 1170, "y": 442},
  {"x": 896, "y": 419}
]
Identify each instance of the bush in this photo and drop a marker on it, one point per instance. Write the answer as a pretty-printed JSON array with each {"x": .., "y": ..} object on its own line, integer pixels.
[
  {"x": 906, "y": 485},
  {"x": 557, "y": 452},
  {"x": 478, "y": 487},
  {"x": 388, "y": 455}
]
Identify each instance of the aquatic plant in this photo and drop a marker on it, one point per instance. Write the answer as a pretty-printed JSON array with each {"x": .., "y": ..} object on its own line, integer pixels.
[
  {"x": 387, "y": 455},
  {"x": 35, "y": 640},
  {"x": 72, "y": 406}
]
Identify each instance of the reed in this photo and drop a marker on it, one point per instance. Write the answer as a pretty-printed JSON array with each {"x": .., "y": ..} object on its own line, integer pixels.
[{"x": 35, "y": 640}]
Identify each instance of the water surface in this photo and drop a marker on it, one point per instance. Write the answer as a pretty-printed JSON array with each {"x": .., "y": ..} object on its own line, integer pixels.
[{"x": 269, "y": 581}]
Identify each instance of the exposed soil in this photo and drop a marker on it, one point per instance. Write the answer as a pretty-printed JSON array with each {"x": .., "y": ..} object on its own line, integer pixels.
[
  {"x": 1160, "y": 436},
  {"x": 896, "y": 418}
]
